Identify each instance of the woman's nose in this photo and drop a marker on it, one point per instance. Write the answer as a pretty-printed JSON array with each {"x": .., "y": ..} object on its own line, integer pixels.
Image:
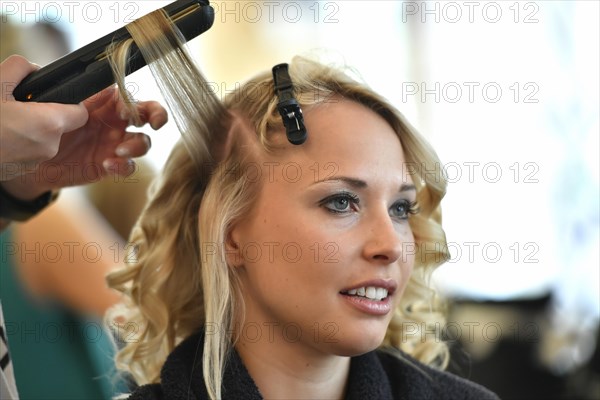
[{"x": 384, "y": 240}]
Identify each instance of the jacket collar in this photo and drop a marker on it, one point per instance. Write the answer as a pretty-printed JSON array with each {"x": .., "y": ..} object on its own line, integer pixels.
[{"x": 182, "y": 379}]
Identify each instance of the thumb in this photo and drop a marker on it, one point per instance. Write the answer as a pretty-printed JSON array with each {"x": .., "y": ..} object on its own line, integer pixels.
[
  {"x": 53, "y": 117},
  {"x": 12, "y": 71}
]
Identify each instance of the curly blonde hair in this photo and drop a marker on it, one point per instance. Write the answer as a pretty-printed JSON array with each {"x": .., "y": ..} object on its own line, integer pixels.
[{"x": 177, "y": 285}]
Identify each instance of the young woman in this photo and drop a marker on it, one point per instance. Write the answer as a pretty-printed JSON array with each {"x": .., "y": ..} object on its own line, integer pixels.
[{"x": 266, "y": 269}]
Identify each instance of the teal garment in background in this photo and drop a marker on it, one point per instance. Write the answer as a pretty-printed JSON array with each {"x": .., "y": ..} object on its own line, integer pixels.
[{"x": 56, "y": 353}]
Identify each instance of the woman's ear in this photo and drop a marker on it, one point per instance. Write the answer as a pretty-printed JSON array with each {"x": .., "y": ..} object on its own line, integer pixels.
[{"x": 233, "y": 253}]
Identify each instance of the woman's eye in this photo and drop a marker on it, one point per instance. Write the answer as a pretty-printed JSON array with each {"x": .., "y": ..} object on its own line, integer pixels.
[
  {"x": 403, "y": 209},
  {"x": 340, "y": 203}
]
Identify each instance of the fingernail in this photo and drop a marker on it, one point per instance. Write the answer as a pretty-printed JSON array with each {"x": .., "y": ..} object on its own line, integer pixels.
[
  {"x": 130, "y": 166},
  {"x": 158, "y": 122},
  {"x": 122, "y": 151},
  {"x": 108, "y": 165}
]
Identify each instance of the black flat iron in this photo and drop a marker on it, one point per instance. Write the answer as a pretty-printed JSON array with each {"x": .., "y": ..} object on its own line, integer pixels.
[{"x": 85, "y": 72}]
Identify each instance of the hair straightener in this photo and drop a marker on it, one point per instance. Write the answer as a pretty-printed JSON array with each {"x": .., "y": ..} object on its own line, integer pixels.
[{"x": 85, "y": 72}]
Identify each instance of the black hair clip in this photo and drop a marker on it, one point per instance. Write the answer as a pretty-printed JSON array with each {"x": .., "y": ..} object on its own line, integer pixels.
[{"x": 288, "y": 107}]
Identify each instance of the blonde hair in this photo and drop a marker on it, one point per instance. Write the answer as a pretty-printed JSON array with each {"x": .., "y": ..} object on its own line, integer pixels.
[{"x": 181, "y": 283}]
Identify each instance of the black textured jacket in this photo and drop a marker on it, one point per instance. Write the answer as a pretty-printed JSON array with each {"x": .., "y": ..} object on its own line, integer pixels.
[{"x": 375, "y": 375}]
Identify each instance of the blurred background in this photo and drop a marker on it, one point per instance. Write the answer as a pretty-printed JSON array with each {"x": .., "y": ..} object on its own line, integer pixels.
[{"x": 507, "y": 93}]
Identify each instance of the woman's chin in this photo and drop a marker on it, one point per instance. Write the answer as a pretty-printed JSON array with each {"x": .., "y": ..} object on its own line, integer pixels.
[{"x": 356, "y": 342}]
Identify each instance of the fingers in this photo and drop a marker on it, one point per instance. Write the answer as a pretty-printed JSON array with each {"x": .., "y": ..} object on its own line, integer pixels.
[
  {"x": 34, "y": 130},
  {"x": 46, "y": 121},
  {"x": 12, "y": 71},
  {"x": 119, "y": 166},
  {"x": 108, "y": 97},
  {"x": 133, "y": 145},
  {"x": 35, "y": 119},
  {"x": 110, "y": 101},
  {"x": 153, "y": 113}
]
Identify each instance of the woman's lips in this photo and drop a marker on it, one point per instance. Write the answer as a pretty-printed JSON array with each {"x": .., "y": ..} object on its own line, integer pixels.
[
  {"x": 369, "y": 306},
  {"x": 388, "y": 284}
]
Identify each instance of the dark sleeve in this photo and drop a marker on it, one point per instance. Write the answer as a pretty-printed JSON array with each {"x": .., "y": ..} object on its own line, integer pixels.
[{"x": 147, "y": 392}]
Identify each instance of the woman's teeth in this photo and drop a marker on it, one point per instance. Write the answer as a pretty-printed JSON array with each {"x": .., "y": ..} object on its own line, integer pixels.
[{"x": 370, "y": 292}]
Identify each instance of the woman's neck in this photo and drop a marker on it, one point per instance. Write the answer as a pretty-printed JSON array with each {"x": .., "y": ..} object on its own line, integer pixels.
[{"x": 283, "y": 369}]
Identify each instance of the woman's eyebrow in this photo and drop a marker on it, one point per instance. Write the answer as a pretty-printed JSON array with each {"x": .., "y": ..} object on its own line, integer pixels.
[
  {"x": 360, "y": 184},
  {"x": 355, "y": 183},
  {"x": 406, "y": 187}
]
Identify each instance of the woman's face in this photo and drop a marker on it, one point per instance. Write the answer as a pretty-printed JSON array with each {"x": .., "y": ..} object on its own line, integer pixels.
[{"x": 321, "y": 256}]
